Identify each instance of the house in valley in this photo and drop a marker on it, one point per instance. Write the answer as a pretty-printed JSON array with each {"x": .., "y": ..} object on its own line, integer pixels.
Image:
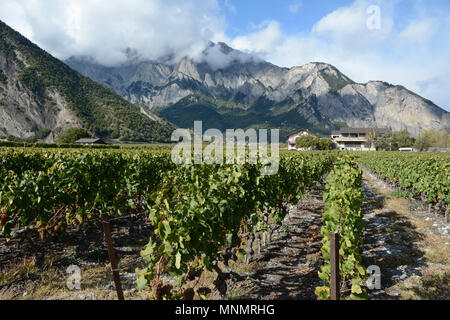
[
  {"x": 362, "y": 139},
  {"x": 293, "y": 137},
  {"x": 95, "y": 141}
]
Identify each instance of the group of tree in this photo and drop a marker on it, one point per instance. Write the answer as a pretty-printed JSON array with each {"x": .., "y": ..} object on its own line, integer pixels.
[
  {"x": 72, "y": 135},
  {"x": 433, "y": 139},
  {"x": 313, "y": 142},
  {"x": 38, "y": 136},
  {"x": 392, "y": 141}
]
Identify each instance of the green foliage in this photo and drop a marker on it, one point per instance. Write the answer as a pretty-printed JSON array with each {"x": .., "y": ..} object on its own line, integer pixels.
[
  {"x": 102, "y": 111},
  {"x": 313, "y": 142},
  {"x": 340, "y": 125},
  {"x": 336, "y": 83},
  {"x": 402, "y": 139},
  {"x": 306, "y": 141},
  {"x": 54, "y": 190},
  {"x": 5, "y": 47},
  {"x": 197, "y": 207},
  {"x": 422, "y": 143},
  {"x": 193, "y": 208},
  {"x": 13, "y": 138},
  {"x": 223, "y": 114},
  {"x": 392, "y": 141},
  {"x": 401, "y": 194},
  {"x": 371, "y": 137},
  {"x": 15, "y": 142},
  {"x": 343, "y": 197},
  {"x": 325, "y": 144},
  {"x": 422, "y": 173},
  {"x": 433, "y": 138},
  {"x": 31, "y": 78},
  {"x": 72, "y": 135},
  {"x": 385, "y": 142},
  {"x": 41, "y": 134}
]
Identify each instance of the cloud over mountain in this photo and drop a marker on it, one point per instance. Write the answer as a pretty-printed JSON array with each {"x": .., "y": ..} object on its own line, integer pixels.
[{"x": 105, "y": 29}]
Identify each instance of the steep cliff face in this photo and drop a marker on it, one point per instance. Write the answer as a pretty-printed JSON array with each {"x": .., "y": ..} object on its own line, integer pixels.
[
  {"x": 398, "y": 108},
  {"x": 248, "y": 91},
  {"x": 38, "y": 91},
  {"x": 22, "y": 113}
]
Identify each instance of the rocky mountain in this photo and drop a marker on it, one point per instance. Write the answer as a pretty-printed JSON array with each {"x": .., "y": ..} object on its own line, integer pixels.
[
  {"x": 38, "y": 92},
  {"x": 230, "y": 89}
]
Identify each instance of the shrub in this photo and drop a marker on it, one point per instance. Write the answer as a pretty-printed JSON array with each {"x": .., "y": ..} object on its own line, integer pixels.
[
  {"x": 73, "y": 134},
  {"x": 313, "y": 142},
  {"x": 307, "y": 141}
]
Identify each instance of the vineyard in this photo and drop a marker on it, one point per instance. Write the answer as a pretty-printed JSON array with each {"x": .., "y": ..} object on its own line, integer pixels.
[
  {"x": 202, "y": 217},
  {"x": 424, "y": 176}
]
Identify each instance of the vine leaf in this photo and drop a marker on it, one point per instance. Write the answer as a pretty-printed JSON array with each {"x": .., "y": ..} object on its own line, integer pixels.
[{"x": 178, "y": 260}]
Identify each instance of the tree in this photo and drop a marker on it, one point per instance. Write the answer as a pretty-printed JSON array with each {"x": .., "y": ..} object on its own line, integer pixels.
[
  {"x": 13, "y": 138},
  {"x": 385, "y": 142},
  {"x": 73, "y": 134},
  {"x": 313, "y": 142},
  {"x": 325, "y": 144},
  {"x": 402, "y": 139},
  {"x": 306, "y": 141},
  {"x": 371, "y": 137},
  {"x": 42, "y": 134},
  {"x": 433, "y": 138},
  {"x": 423, "y": 143},
  {"x": 392, "y": 141}
]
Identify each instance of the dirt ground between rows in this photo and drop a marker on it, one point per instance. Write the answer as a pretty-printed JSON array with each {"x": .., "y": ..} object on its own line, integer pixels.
[{"x": 409, "y": 245}]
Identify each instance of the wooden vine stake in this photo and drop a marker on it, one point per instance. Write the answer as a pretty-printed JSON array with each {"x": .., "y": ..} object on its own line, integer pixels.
[
  {"x": 112, "y": 256},
  {"x": 334, "y": 261}
]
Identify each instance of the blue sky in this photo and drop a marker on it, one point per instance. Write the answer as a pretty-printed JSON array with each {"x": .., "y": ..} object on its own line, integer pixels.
[
  {"x": 300, "y": 16},
  {"x": 294, "y": 16},
  {"x": 404, "y": 42}
]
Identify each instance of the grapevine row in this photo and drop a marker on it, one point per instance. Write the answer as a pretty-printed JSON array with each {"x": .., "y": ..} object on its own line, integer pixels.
[
  {"x": 426, "y": 175},
  {"x": 60, "y": 189},
  {"x": 343, "y": 197},
  {"x": 200, "y": 209}
]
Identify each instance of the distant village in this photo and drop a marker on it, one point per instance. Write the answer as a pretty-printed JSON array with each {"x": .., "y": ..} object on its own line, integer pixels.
[
  {"x": 345, "y": 139},
  {"x": 366, "y": 139}
]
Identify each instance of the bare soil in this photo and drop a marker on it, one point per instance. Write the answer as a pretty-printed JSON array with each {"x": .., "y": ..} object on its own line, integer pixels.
[
  {"x": 287, "y": 267},
  {"x": 31, "y": 268},
  {"x": 409, "y": 244}
]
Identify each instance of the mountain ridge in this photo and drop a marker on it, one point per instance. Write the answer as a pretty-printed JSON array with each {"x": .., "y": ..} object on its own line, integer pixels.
[
  {"x": 323, "y": 98},
  {"x": 38, "y": 91}
]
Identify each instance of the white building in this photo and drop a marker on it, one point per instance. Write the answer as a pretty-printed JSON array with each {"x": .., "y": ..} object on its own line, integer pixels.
[
  {"x": 293, "y": 137},
  {"x": 355, "y": 138}
]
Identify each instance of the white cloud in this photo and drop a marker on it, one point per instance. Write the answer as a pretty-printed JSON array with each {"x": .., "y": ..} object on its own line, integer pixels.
[
  {"x": 419, "y": 31},
  {"x": 104, "y": 29},
  {"x": 349, "y": 26},
  {"x": 263, "y": 40},
  {"x": 218, "y": 59},
  {"x": 295, "y": 7}
]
